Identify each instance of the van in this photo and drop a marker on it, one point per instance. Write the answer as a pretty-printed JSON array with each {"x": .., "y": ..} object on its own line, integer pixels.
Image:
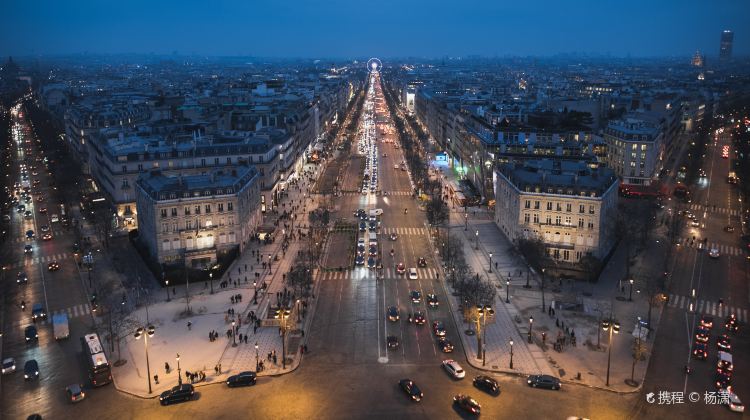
[
  {"x": 373, "y": 236},
  {"x": 54, "y": 218},
  {"x": 724, "y": 361}
]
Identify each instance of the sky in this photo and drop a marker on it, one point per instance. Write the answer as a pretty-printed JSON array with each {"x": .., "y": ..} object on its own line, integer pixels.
[{"x": 374, "y": 28}]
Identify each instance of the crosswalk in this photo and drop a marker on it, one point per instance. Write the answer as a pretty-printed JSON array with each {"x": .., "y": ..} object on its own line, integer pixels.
[
  {"x": 707, "y": 307},
  {"x": 38, "y": 236},
  {"x": 726, "y": 249},
  {"x": 42, "y": 259},
  {"x": 388, "y": 274},
  {"x": 403, "y": 230},
  {"x": 72, "y": 312},
  {"x": 720, "y": 210},
  {"x": 399, "y": 193}
]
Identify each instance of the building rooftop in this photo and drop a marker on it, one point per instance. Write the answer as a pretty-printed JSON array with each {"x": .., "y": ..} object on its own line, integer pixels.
[
  {"x": 556, "y": 176},
  {"x": 220, "y": 182}
]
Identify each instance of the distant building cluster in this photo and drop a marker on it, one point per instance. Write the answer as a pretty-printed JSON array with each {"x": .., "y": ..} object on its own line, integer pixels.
[{"x": 192, "y": 154}]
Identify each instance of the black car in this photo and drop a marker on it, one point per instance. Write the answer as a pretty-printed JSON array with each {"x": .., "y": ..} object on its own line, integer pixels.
[
  {"x": 467, "y": 403},
  {"x": 180, "y": 393},
  {"x": 30, "y": 333},
  {"x": 700, "y": 350},
  {"x": 487, "y": 384},
  {"x": 411, "y": 389},
  {"x": 241, "y": 379},
  {"x": 31, "y": 369},
  {"x": 21, "y": 278},
  {"x": 722, "y": 379},
  {"x": 432, "y": 300},
  {"x": 543, "y": 381},
  {"x": 419, "y": 318},
  {"x": 392, "y": 341},
  {"x": 416, "y": 297},
  {"x": 362, "y": 226},
  {"x": 445, "y": 345},
  {"x": 393, "y": 313},
  {"x": 421, "y": 262}
]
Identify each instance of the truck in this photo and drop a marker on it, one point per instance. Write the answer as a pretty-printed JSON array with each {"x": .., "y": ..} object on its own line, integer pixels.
[{"x": 60, "y": 326}]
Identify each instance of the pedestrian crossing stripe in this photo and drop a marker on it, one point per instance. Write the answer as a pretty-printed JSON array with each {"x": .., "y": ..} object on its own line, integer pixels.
[
  {"x": 707, "y": 307},
  {"x": 388, "y": 274},
  {"x": 403, "y": 230},
  {"x": 720, "y": 210},
  {"x": 725, "y": 249},
  {"x": 399, "y": 193},
  {"x": 75, "y": 311},
  {"x": 37, "y": 260}
]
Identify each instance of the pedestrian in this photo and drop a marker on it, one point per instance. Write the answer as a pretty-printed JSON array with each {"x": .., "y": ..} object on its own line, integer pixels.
[
  {"x": 216, "y": 369},
  {"x": 557, "y": 322},
  {"x": 219, "y": 367},
  {"x": 274, "y": 359},
  {"x": 245, "y": 338},
  {"x": 166, "y": 367},
  {"x": 269, "y": 356},
  {"x": 156, "y": 379},
  {"x": 255, "y": 329},
  {"x": 187, "y": 374},
  {"x": 246, "y": 268},
  {"x": 301, "y": 349},
  {"x": 303, "y": 332},
  {"x": 189, "y": 325},
  {"x": 240, "y": 337},
  {"x": 232, "y": 300},
  {"x": 305, "y": 347},
  {"x": 210, "y": 336}
]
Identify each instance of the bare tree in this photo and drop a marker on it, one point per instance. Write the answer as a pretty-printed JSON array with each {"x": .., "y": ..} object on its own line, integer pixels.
[
  {"x": 476, "y": 293},
  {"x": 534, "y": 252},
  {"x": 437, "y": 212}
]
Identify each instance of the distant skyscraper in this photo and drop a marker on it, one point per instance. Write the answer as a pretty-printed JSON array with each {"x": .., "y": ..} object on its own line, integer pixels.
[
  {"x": 698, "y": 59},
  {"x": 725, "y": 48}
]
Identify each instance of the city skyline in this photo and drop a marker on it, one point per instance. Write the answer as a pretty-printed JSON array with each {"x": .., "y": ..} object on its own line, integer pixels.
[{"x": 336, "y": 30}]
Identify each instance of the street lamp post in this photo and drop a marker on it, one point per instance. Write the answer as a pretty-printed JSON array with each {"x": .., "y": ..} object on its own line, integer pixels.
[
  {"x": 613, "y": 327},
  {"x": 211, "y": 278},
  {"x": 88, "y": 268},
  {"x": 269, "y": 264},
  {"x": 255, "y": 295},
  {"x": 166, "y": 282},
  {"x": 477, "y": 235},
  {"x": 511, "y": 354},
  {"x": 234, "y": 334},
  {"x": 507, "y": 291},
  {"x": 466, "y": 222},
  {"x": 630, "y": 298},
  {"x": 146, "y": 333},
  {"x": 257, "y": 363},
  {"x": 179, "y": 372},
  {"x": 531, "y": 325},
  {"x": 490, "y": 262}
]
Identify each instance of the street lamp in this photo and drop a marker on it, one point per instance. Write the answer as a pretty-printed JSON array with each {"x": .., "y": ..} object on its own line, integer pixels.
[
  {"x": 234, "y": 334},
  {"x": 630, "y": 298},
  {"x": 531, "y": 325},
  {"x": 269, "y": 264},
  {"x": 490, "y": 262},
  {"x": 477, "y": 235},
  {"x": 255, "y": 295},
  {"x": 466, "y": 221},
  {"x": 507, "y": 291},
  {"x": 511, "y": 354},
  {"x": 211, "y": 278},
  {"x": 166, "y": 282},
  {"x": 146, "y": 333},
  {"x": 179, "y": 372},
  {"x": 613, "y": 327},
  {"x": 257, "y": 363},
  {"x": 282, "y": 314}
]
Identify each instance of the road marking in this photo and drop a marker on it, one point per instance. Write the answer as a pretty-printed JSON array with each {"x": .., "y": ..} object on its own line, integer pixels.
[{"x": 708, "y": 307}]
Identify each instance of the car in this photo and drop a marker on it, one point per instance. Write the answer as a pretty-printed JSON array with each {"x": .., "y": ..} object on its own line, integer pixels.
[
  {"x": 432, "y": 300},
  {"x": 28, "y": 214},
  {"x": 729, "y": 229},
  {"x": 453, "y": 368},
  {"x": 373, "y": 251},
  {"x": 38, "y": 312},
  {"x": 360, "y": 260},
  {"x": 415, "y": 296},
  {"x": 392, "y": 342},
  {"x": 241, "y": 379},
  {"x": 31, "y": 369},
  {"x": 412, "y": 273},
  {"x": 179, "y": 393},
  {"x": 543, "y": 381},
  {"x": 29, "y": 234},
  {"x": 372, "y": 226},
  {"x": 467, "y": 404},
  {"x": 714, "y": 253},
  {"x": 371, "y": 262},
  {"x": 393, "y": 236},
  {"x": 47, "y": 236},
  {"x": 732, "y": 400},
  {"x": 54, "y": 218},
  {"x": 445, "y": 345},
  {"x": 9, "y": 366},
  {"x": 44, "y": 228},
  {"x": 438, "y": 328},
  {"x": 362, "y": 226},
  {"x": 411, "y": 389},
  {"x": 695, "y": 223},
  {"x": 75, "y": 393},
  {"x": 53, "y": 266},
  {"x": 21, "y": 277},
  {"x": 31, "y": 333},
  {"x": 701, "y": 334},
  {"x": 419, "y": 318},
  {"x": 487, "y": 384},
  {"x": 723, "y": 343},
  {"x": 421, "y": 262},
  {"x": 700, "y": 350},
  {"x": 396, "y": 166},
  {"x": 707, "y": 321},
  {"x": 722, "y": 379},
  {"x": 731, "y": 323},
  {"x": 401, "y": 268},
  {"x": 393, "y": 313}
]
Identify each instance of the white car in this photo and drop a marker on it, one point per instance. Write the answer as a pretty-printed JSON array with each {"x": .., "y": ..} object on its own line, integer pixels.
[
  {"x": 695, "y": 223},
  {"x": 412, "y": 273},
  {"x": 453, "y": 368},
  {"x": 734, "y": 402},
  {"x": 9, "y": 365},
  {"x": 714, "y": 253}
]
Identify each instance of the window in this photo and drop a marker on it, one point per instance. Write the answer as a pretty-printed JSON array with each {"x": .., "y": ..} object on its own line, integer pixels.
[
  {"x": 164, "y": 227},
  {"x": 591, "y": 224},
  {"x": 558, "y": 220},
  {"x": 230, "y": 206},
  {"x": 559, "y": 207},
  {"x": 124, "y": 169},
  {"x": 536, "y": 205},
  {"x": 198, "y": 209},
  {"x": 163, "y": 213},
  {"x": 528, "y": 204},
  {"x": 526, "y": 218},
  {"x": 220, "y": 207},
  {"x": 230, "y": 221},
  {"x": 174, "y": 211},
  {"x": 536, "y": 218},
  {"x": 140, "y": 167},
  {"x": 566, "y": 255},
  {"x": 549, "y": 205},
  {"x": 568, "y": 207},
  {"x": 582, "y": 209},
  {"x": 216, "y": 161},
  {"x": 549, "y": 220},
  {"x": 188, "y": 224},
  {"x": 580, "y": 222},
  {"x": 208, "y": 208},
  {"x": 643, "y": 147},
  {"x": 568, "y": 221},
  {"x": 229, "y": 161},
  {"x": 187, "y": 211},
  {"x": 591, "y": 209}
]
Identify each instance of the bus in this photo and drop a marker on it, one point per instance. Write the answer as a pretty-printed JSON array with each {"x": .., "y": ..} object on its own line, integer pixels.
[
  {"x": 97, "y": 365},
  {"x": 460, "y": 199}
]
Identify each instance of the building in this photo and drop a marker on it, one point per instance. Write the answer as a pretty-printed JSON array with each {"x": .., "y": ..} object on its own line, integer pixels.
[
  {"x": 634, "y": 148},
  {"x": 195, "y": 219},
  {"x": 725, "y": 45},
  {"x": 698, "y": 60},
  {"x": 569, "y": 205}
]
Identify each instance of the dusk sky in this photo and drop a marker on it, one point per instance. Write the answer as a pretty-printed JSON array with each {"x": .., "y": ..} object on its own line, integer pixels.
[{"x": 386, "y": 28}]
